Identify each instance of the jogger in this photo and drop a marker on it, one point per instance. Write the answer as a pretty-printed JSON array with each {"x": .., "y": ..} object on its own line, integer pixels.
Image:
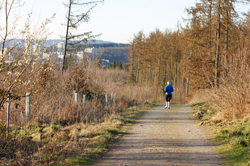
[{"x": 168, "y": 91}]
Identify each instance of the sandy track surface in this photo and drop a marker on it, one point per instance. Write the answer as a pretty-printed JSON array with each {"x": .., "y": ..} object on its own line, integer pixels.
[{"x": 164, "y": 137}]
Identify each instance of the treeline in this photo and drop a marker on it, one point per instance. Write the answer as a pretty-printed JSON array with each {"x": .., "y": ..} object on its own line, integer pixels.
[
  {"x": 115, "y": 65},
  {"x": 114, "y": 54},
  {"x": 204, "y": 50},
  {"x": 105, "y": 45}
]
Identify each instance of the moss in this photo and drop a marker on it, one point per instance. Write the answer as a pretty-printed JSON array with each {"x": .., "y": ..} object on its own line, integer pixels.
[{"x": 78, "y": 160}]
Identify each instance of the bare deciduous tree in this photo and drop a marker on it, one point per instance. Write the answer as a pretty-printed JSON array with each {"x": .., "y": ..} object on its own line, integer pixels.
[{"x": 16, "y": 56}]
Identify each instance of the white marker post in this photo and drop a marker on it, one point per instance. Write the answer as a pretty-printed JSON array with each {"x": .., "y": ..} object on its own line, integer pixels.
[
  {"x": 27, "y": 107},
  {"x": 114, "y": 97},
  {"x": 106, "y": 99},
  {"x": 76, "y": 98},
  {"x": 84, "y": 99},
  {"x": 8, "y": 112}
]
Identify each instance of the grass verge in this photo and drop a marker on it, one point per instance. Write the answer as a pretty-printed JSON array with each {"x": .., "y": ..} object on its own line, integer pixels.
[
  {"x": 233, "y": 135},
  {"x": 58, "y": 144},
  {"x": 117, "y": 127}
]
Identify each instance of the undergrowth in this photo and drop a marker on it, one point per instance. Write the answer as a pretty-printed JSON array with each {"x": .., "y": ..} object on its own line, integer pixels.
[
  {"x": 61, "y": 144},
  {"x": 233, "y": 135}
]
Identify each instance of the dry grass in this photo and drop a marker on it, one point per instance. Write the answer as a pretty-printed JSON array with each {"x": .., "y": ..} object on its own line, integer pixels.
[
  {"x": 59, "y": 143},
  {"x": 52, "y": 95},
  {"x": 232, "y": 98},
  {"x": 115, "y": 81},
  {"x": 58, "y": 128},
  {"x": 201, "y": 95}
]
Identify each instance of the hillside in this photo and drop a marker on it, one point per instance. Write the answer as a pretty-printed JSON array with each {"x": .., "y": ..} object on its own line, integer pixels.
[
  {"x": 114, "y": 53},
  {"x": 106, "y": 50},
  {"x": 50, "y": 41}
]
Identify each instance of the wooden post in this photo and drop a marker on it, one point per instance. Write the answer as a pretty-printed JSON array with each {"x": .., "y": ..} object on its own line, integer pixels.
[
  {"x": 27, "y": 107},
  {"x": 8, "y": 112},
  {"x": 106, "y": 99},
  {"x": 84, "y": 99}
]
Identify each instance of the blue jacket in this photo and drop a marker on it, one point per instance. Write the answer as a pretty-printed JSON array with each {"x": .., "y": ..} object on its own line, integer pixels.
[{"x": 168, "y": 89}]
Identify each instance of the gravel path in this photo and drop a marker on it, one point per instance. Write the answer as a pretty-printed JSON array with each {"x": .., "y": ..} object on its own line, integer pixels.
[{"x": 164, "y": 137}]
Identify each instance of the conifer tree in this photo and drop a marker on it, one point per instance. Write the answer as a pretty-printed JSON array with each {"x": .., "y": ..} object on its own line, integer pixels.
[
  {"x": 114, "y": 64},
  {"x": 119, "y": 65},
  {"x": 78, "y": 12}
]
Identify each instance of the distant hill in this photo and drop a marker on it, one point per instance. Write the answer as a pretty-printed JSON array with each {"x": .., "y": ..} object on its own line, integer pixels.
[
  {"x": 106, "y": 49},
  {"x": 106, "y": 45},
  {"x": 50, "y": 41},
  {"x": 93, "y": 43},
  {"x": 114, "y": 53}
]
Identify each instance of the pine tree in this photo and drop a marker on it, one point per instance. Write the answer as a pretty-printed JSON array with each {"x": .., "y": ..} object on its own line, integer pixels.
[
  {"x": 114, "y": 64},
  {"x": 119, "y": 65}
]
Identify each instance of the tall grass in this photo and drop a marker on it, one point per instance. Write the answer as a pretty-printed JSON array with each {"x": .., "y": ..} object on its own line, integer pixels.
[
  {"x": 52, "y": 95},
  {"x": 58, "y": 127},
  {"x": 232, "y": 98}
]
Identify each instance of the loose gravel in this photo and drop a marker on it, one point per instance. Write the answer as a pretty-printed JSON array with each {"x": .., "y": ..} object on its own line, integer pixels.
[{"x": 164, "y": 137}]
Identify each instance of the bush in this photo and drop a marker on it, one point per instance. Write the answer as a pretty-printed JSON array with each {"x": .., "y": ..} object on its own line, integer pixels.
[{"x": 232, "y": 97}]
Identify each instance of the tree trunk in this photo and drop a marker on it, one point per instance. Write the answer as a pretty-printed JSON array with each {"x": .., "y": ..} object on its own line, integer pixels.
[
  {"x": 66, "y": 39},
  {"x": 217, "y": 56},
  {"x": 175, "y": 80},
  {"x": 226, "y": 45},
  {"x": 137, "y": 71},
  {"x": 210, "y": 24},
  {"x": 171, "y": 66}
]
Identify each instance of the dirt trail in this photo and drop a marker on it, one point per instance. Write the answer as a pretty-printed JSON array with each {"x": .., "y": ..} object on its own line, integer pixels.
[{"x": 164, "y": 137}]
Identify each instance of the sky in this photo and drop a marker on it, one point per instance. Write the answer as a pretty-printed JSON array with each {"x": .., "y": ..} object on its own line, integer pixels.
[{"x": 116, "y": 20}]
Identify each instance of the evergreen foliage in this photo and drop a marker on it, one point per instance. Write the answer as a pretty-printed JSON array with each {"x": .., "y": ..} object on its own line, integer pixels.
[
  {"x": 74, "y": 20},
  {"x": 115, "y": 65}
]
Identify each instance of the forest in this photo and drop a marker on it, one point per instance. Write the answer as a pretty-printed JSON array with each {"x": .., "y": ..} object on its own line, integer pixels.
[{"x": 211, "y": 51}]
